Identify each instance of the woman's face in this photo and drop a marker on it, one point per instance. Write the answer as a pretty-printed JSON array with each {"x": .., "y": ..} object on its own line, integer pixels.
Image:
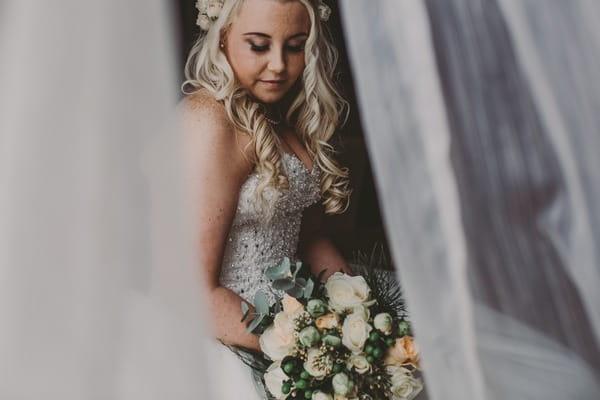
[{"x": 265, "y": 46}]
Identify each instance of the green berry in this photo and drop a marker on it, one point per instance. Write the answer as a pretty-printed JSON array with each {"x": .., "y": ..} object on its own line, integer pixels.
[
  {"x": 286, "y": 388},
  {"x": 304, "y": 375},
  {"x": 403, "y": 328},
  {"x": 370, "y": 359},
  {"x": 374, "y": 336},
  {"x": 301, "y": 384},
  {"x": 377, "y": 353},
  {"x": 308, "y": 394},
  {"x": 389, "y": 341},
  {"x": 369, "y": 348},
  {"x": 337, "y": 368},
  {"x": 288, "y": 368}
]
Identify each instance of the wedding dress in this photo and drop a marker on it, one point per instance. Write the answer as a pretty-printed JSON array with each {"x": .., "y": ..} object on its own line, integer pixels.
[{"x": 250, "y": 249}]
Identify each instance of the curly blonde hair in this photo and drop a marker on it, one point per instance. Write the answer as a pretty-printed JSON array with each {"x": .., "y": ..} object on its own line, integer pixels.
[{"x": 315, "y": 112}]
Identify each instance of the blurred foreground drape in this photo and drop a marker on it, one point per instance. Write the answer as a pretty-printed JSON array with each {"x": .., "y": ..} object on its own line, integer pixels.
[
  {"x": 98, "y": 294},
  {"x": 482, "y": 121}
]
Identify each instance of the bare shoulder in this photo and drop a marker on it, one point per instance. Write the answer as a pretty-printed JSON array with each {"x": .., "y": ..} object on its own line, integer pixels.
[
  {"x": 207, "y": 127},
  {"x": 201, "y": 107}
]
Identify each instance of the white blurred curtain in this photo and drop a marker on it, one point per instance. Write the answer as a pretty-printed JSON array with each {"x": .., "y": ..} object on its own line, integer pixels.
[
  {"x": 482, "y": 120},
  {"x": 99, "y": 295}
]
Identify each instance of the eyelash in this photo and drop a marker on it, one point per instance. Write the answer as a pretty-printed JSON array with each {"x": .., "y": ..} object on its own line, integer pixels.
[{"x": 261, "y": 49}]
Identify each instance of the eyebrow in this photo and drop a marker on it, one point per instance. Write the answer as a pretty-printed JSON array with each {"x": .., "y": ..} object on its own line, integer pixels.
[{"x": 269, "y": 36}]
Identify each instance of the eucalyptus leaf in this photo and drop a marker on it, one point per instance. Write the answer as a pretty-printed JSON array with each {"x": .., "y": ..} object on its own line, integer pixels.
[
  {"x": 297, "y": 291},
  {"x": 261, "y": 303},
  {"x": 301, "y": 282},
  {"x": 283, "y": 284},
  {"x": 255, "y": 322},
  {"x": 277, "y": 308},
  {"x": 298, "y": 268},
  {"x": 321, "y": 274},
  {"x": 308, "y": 289},
  {"x": 245, "y": 311},
  {"x": 280, "y": 271}
]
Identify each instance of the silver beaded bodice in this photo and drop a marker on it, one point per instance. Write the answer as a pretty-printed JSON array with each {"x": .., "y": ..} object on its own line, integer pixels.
[{"x": 252, "y": 247}]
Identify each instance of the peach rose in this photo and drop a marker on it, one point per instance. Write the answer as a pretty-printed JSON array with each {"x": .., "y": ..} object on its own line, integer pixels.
[
  {"x": 328, "y": 321},
  {"x": 404, "y": 351},
  {"x": 291, "y": 306}
]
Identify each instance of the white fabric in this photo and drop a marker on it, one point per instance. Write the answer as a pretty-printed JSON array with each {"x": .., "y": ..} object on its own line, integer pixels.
[
  {"x": 482, "y": 119},
  {"x": 98, "y": 293}
]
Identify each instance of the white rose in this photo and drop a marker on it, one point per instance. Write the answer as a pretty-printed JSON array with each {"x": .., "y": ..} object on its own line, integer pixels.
[
  {"x": 213, "y": 9},
  {"x": 278, "y": 341},
  {"x": 324, "y": 12},
  {"x": 203, "y": 22},
  {"x": 355, "y": 332},
  {"x": 359, "y": 362},
  {"x": 404, "y": 385},
  {"x": 321, "y": 370},
  {"x": 318, "y": 395},
  {"x": 383, "y": 322},
  {"x": 346, "y": 292},
  {"x": 201, "y": 6},
  {"x": 342, "y": 384},
  {"x": 363, "y": 310},
  {"x": 274, "y": 378}
]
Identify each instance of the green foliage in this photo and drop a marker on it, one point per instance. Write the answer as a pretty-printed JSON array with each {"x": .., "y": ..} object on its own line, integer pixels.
[{"x": 381, "y": 278}]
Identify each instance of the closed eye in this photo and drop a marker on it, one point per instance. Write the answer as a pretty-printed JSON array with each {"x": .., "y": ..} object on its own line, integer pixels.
[
  {"x": 259, "y": 49},
  {"x": 262, "y": 49},
  {"x": 296, "y": 49}
]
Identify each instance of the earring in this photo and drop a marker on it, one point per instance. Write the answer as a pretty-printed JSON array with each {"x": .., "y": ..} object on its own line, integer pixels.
[{"x": 222, "y": 45}]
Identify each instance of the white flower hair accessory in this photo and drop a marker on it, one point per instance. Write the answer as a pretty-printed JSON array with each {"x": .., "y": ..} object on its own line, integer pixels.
[
  {"x": 209, "y": 10},
  {"x": 324, "y": 11}
]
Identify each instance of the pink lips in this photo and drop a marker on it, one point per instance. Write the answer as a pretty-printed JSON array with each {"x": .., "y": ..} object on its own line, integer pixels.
[{"x": 273, "y": 84}]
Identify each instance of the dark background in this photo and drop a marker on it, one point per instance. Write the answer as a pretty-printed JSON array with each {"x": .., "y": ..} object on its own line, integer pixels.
[{"x": 360, "y": 227}]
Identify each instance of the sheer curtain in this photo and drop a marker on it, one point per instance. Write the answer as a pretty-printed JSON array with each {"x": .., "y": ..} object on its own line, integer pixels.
[
  {"x": 482, "y": 120},
  {"x": 98, "y": 293}
]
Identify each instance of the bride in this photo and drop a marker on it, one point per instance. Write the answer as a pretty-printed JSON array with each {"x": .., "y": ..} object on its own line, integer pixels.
[{"x": 259, "y": 111}]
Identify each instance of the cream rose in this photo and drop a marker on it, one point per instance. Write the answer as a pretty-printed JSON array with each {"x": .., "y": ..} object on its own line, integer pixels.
[
  {"x": 277, "y": 341},
  {"x": 318, "y": 395},
  {"x": 359, "y": 362},
  {"x": 404, "y": 351},
  {"x": 203, "y": 22},
  {"x": 355, "y": 332},
  {"x": 328, "y": 321},
  {"x": 383, "y": 322},
  {"x": 318, "y": 365},
  {"x": 404, "y": 385},
  {"x": 291, "y": 305},
  {"x": 274, "y": 378},
  {"x": 214, "y": 9},
  {"x": 346, "y": 292}
]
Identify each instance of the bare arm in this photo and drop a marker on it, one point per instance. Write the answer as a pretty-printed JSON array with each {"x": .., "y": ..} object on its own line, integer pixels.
[
  {"x": 218, "y": 166},
  {"x": 316, "y": 248}
]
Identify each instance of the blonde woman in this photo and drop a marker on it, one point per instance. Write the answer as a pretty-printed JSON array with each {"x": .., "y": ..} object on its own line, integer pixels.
[{"x": 259, "y": 111}]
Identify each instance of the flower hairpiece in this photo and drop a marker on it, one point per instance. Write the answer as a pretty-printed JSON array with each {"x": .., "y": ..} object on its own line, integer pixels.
[{"x": 209, "y": 10}]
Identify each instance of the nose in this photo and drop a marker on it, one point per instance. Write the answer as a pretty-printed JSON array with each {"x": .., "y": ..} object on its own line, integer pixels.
[{"x": 276, "y": 60}]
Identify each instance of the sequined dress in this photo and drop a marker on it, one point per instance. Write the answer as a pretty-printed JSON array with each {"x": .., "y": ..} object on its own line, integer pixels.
[{"x": 251, "y": 248}]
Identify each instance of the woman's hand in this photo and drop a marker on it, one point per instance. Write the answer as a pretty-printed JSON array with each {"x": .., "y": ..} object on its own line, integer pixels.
[{"x": 316, "y": 248}]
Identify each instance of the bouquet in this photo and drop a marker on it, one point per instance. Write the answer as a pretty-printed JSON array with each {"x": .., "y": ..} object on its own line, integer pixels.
[{"x": 346, "y": 338}]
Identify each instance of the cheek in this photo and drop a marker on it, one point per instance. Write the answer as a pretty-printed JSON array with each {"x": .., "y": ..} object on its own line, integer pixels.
[
  {"x": 244, "y": 64},
  {"x": 296, "y": 65}
]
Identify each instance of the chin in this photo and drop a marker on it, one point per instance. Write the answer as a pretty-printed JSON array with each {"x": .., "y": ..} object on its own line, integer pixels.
[{"x": 269, "y": 97}]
